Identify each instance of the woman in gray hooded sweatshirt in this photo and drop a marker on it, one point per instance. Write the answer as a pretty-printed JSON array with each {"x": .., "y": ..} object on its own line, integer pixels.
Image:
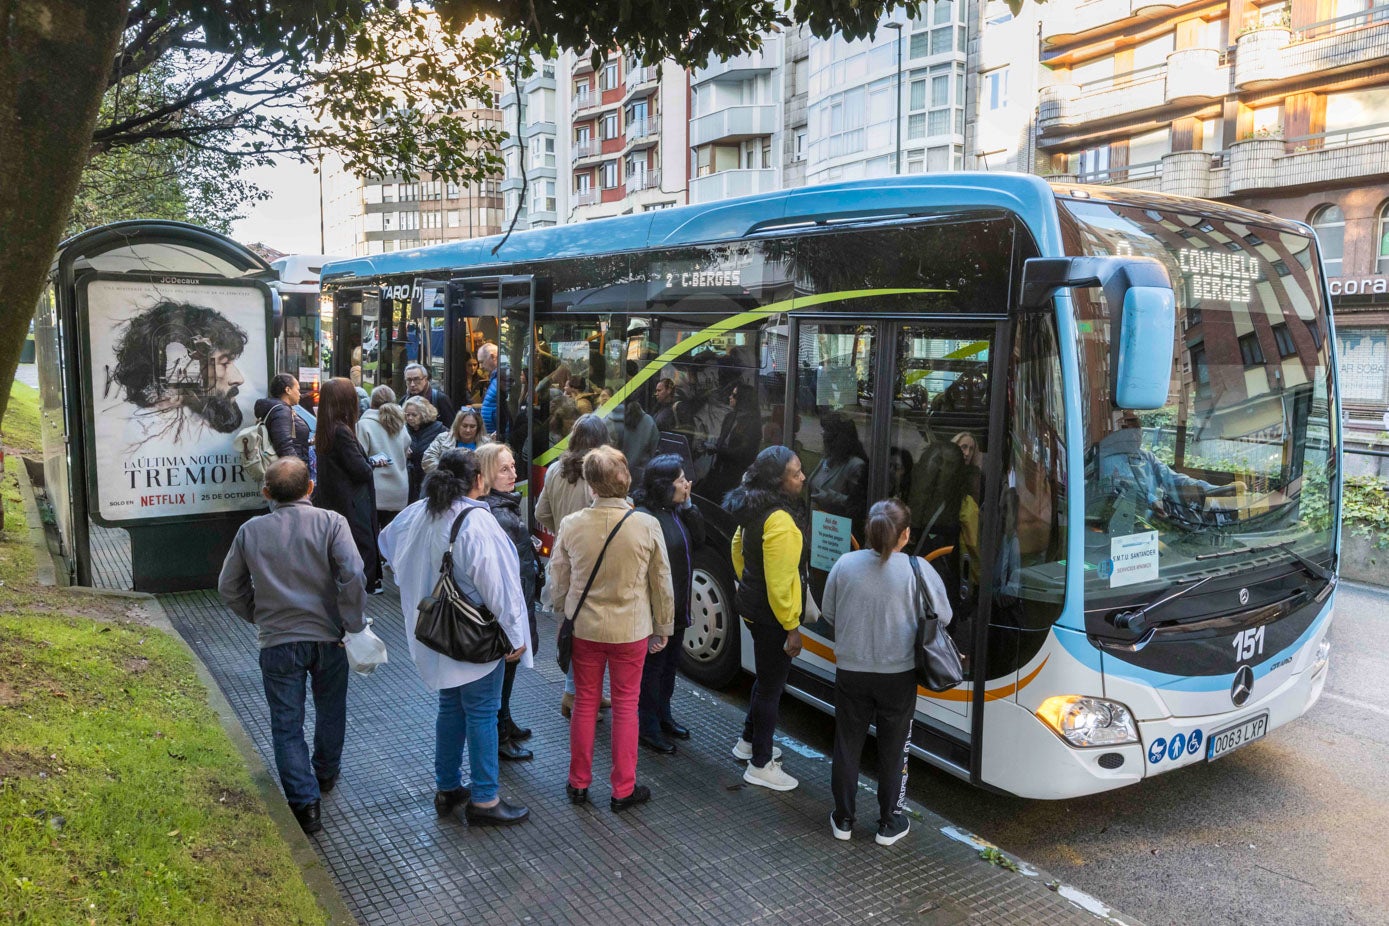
[{"x": 873, "y": 599}]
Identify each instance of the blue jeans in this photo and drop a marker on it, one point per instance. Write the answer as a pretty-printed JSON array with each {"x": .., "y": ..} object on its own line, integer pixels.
[
  {"x": 468, "y": 716},
  {"x": 284, "y": 669}
]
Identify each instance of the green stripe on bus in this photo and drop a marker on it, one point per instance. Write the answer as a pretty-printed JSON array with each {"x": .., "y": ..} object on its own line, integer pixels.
[{"x": 716, "y": 330}]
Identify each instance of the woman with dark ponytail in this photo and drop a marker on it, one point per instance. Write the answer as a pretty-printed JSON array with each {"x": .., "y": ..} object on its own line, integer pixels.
[
  {"x": 470, "y": 694},
  {"x": 873, "y": 598},
  {"x": 767, "y": 549}
]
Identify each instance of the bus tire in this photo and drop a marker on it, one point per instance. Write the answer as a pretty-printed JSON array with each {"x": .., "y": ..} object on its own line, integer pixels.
[{"x": 714, "y": 638}]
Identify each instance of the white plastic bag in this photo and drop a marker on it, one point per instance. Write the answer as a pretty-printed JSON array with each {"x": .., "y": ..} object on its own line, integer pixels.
[{"x": 365, "y": 651}]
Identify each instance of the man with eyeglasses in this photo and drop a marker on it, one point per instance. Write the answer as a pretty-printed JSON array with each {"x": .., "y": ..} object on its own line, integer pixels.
[{"x": 417, "y": 383}]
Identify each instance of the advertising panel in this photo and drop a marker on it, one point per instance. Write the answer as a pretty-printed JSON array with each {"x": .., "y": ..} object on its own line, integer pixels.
[{"x": 176, "y": 365}]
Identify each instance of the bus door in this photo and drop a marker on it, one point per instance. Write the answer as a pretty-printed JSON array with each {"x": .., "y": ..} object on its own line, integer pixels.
[
  {"x": 348, "y": 344},
  {"x": 901, "y": 409},
  {"x": 499, "y": 310}
]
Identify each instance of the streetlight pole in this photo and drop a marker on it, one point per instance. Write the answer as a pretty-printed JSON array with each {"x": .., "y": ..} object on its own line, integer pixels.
[
  {"x": 322, "y": 246},
  {"x": 897, "y": 124}
]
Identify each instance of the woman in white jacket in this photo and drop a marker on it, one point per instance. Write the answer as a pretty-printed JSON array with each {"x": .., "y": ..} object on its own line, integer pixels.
[
  {"x": 469, "y": 693},
  {"x": 381, "y": 432}
]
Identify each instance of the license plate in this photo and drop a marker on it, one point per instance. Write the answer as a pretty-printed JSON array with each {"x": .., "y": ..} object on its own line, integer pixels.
[{"x": 1227, "y": 740}]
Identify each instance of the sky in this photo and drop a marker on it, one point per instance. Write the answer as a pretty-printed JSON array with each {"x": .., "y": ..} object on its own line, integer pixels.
[{"x": 288, "y": 220}]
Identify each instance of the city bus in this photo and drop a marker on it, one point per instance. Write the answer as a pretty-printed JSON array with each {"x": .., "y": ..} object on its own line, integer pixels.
[{"x": 1112, "y": 413}]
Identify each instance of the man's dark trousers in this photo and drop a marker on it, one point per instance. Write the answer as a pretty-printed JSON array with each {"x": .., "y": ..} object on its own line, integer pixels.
[{"x": 285, "y": 670}]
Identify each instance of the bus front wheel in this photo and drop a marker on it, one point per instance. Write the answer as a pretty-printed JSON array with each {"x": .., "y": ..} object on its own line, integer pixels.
[{"x": 713, "y": 640}]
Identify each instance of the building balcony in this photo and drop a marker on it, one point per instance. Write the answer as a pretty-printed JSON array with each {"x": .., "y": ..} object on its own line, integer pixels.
[
  {"x": 1310, "y": 160},
  {"x": 542, "y": 79},
  {"x": 1071, "y": 20},
  {"x": 1063, "y": 106},
  {"x": 532, "y": 129},
  {"x": 584, "y": 101},
  {"x": 726, "y": 184},
  {"x": 585, "y": 198},
  {"x": 733, "y": 123},
  {"x": 507, "y": 100},
  {"x": 639, "y": 77},
  {"x": 739, "y": 67},
  {"x": 1146, "y": 175},
  {"x": 1271, "y": 54},
  {"x": 646, "y": 180},
  {"x": 642, "y": 133},
  {"x": 1195, "y": 74},
  {"x": 583, "y": 150}
]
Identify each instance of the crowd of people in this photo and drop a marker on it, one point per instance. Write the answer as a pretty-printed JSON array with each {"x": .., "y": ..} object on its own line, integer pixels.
[{"x": 395, "y": 488}]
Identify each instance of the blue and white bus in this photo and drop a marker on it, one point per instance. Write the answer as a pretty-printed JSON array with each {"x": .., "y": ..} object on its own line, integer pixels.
[{"x": 1113, "y": 414}]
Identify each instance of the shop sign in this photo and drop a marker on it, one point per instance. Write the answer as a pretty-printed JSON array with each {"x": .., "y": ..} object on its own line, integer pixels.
[{"x": 1359, "y": 286}]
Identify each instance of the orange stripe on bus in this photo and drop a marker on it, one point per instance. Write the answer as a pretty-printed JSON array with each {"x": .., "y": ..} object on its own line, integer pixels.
[{"x": 953, "y": 694}]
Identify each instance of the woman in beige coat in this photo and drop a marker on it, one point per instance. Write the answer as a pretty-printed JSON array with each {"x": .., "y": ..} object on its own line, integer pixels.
[{"x": 629, "y": 612}]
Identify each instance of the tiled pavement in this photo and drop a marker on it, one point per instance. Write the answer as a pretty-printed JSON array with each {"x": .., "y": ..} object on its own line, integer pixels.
[{"x": 707, "y": 849}]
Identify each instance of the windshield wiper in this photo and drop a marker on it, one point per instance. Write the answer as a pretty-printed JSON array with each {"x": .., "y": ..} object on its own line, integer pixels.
[
  {"x": 1136, "y": 620},
  {"x": 1316, "y": 570}
]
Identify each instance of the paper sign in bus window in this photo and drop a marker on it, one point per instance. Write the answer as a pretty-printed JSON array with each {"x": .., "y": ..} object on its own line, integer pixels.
[
  {"x": 1132, "y": 559},
  {"x": 830, "y": 536}
]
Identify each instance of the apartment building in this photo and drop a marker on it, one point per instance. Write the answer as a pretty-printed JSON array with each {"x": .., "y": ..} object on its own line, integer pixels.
[
  {"x": 1281, "y": 106},
  {"x": 531, "y": 114},
  {"x": 375, "y": 215},
  {"x": 1004, "y": 77},
  {"x": 624, "y": 129}
]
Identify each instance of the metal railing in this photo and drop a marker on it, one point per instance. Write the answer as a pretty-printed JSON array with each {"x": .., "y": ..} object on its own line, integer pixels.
[
  {"x": 1121, "y": 81},
  {"x": 1338, "y": 139},
  {"x": 1373, "y": 16},
  {"x": 1138, "y": 171},
  {"x": 585, "y": 149}
]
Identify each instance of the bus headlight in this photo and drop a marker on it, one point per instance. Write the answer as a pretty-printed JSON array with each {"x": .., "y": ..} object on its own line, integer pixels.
[
  {"x": 1083, "y": 721},
  {"x": 1323, "y": 656}
]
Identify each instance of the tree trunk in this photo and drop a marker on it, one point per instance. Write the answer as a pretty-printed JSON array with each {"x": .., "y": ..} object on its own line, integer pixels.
[{"x": 55, "y": 56}]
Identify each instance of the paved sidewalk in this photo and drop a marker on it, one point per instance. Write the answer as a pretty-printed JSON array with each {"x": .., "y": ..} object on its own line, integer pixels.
[{"x": 707, "y": 849}]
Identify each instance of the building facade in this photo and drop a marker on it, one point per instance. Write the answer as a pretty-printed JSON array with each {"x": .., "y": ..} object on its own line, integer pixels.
[
  {"x": 1281, "y": 107},
  {"x": 375, "y": 215}
]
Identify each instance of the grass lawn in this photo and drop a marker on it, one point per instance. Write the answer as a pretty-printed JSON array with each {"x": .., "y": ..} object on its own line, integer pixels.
[{"x": 121, "y": 798}]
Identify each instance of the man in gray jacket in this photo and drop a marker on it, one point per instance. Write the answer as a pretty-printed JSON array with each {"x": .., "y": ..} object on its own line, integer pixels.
[{"x": 295, "y": 573}]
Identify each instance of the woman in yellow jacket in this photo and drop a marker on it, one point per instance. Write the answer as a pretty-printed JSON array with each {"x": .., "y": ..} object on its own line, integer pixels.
[{"x": 767, "y": 558}]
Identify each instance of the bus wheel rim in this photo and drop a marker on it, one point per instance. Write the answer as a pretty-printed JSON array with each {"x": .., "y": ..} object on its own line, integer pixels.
[{"x": 711, "y": 616}]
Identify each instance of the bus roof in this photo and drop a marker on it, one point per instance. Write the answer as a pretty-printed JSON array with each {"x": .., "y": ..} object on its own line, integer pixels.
[{"x": 1031, "y": 197}]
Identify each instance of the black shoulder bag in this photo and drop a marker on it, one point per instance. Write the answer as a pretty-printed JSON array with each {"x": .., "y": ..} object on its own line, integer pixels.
[
  {"x": 938, "y": 665},
  {"x": 458, "y": 624},
  {"x": 564, "y": 642}
]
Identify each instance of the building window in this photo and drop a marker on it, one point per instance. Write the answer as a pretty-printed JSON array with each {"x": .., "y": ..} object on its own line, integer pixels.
[
  {"x": 543, "y": 152},
  {"x": 609, "y": 172},
  {"x": 1250, "y": 351},
  {"x": 1330, "y": 224},
  {"x": 609, "y": 126},
  {"x": 608, "y": 78},
  {"x": 454, "y": 221},
  {"x": 1284, "y": 339},
  {"x": 583, "y": 182},
  {"x": 1092, "y": 162},
  {"x": 1382, "y": 263},
  {"x": 997, "y": 88}
]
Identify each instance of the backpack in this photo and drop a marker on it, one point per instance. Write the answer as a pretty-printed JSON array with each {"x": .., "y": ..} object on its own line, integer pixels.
[{"x": 254, "y": 449}]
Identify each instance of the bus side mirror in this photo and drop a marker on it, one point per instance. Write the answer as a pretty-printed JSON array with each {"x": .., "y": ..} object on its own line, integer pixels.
[
  {"x": 1143, "y": 321},
  {"x": 1143, "y": 372}
]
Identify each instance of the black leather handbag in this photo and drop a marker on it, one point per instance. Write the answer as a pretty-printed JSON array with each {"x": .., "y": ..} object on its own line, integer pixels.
[
  {"x": 938, "y": 666},
  {"x": 564, "y": 641},
  {"x": 456, "y": 624}
]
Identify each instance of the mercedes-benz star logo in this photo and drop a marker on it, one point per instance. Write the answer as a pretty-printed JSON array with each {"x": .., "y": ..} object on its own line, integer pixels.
[
  {"x": 1243, "y": 686},
  {"x": 1244, "y": 596}
]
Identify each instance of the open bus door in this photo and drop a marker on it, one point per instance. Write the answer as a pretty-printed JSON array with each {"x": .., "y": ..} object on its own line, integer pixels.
[{"x": 498, "y": 310}]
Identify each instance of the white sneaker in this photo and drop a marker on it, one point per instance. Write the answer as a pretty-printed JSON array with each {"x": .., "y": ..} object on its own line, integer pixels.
[
  {"x": 841, "y": 834},
  {"x": 743, "y": 751},
  {"x": 889, "y": 833},
  {"x": 769, "y": 776}
]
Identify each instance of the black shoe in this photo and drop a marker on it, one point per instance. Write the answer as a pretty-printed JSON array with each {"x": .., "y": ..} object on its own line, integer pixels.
[
  {"x": 327, "y": 784},
  {"x": 657, "y": 744},
  {"x": 576, "y": 795},
  {"x": 507, "y": 730},
  {"x": 640, "y": 795},
  {"x": 509, "y": 751},
  {"x": 677, "y": 730},
  {"x": 307, "y": 815},
  {"x": 499, "y": 814},
  {"x": 446, "y": 801}
]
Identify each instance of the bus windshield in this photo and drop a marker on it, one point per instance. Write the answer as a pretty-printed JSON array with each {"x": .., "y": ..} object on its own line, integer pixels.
[{"x": 1237, "y": 470}]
